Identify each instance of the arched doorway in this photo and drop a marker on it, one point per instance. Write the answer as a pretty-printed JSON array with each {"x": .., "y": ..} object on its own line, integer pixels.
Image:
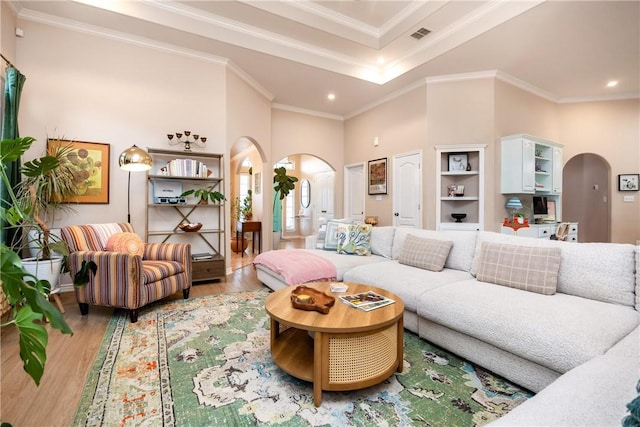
[
  {"x": 586, "y": 197},
  {"x": 313, "y": 198}
]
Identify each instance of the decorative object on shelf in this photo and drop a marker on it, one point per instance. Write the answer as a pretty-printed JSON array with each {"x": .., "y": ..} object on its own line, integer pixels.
[
  {"x": 468, "y": 167},
  {"x": 190, "y": 227},
  {"x": 514, "y": 204},
  {"x": 451, "y": 190},
  {"x": 628, "y": 182},
  {"x": 133, "y": 159},
  {"x": 371, "y": 220},
  {"x": 515, "y": 225},
  {"x": 198, "y": 141},
  {"x": 458, "y": 216},
  {"x": 307, "y": 298},
  {"x": 459, "y": 191},
  {"x": 458, "y": 161},
  {"x": 205, "y": 195},
  {"x": 378, "y": 176}
]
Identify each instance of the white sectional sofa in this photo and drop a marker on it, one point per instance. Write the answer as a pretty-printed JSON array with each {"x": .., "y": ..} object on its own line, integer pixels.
[{"x": 578, "y": 348}]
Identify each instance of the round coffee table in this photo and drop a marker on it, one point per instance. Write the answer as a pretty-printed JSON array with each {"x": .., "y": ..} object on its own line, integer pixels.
[{"x": 346, "y": 349}]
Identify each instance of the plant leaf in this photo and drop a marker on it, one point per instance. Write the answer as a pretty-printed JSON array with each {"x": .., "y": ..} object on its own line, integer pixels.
[
  {"x": 40, "y": 167},
  {"x": 33, "y": 342},
  {"x": 12, "y": 149},
  {"x": 82, "y": 276}
]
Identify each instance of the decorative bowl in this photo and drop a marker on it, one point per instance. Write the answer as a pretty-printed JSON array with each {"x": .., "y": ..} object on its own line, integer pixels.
[
  {"x": 190, "y": 227},
  {"x": 310, "y": 299},
  {"x": 458, "y": 216}
]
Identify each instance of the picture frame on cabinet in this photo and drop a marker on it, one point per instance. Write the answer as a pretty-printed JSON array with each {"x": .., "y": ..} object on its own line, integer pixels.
[
  {"x": 629, "y": 182},
  {"x": 377, "y": 182},
  {"x": 458, "y": 162}
]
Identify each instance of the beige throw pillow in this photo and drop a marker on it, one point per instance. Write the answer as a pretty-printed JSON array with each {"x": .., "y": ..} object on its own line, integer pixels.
[
  {"x": 428, "y": 254},
  {"x": 528, "y": 268}
]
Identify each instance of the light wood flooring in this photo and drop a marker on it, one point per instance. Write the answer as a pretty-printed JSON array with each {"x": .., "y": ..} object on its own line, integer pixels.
[{"x": 69, "y": 358}]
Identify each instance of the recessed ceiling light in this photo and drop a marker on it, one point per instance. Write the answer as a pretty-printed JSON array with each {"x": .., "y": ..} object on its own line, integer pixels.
[
  {"x": 380, "y": 60},
  {"x": 612, "y": 83},
  {"x": 331, "y": 96}
]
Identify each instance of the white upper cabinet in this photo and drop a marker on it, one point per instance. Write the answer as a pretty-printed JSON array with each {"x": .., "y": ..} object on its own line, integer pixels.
[{"x": 530, "y": 165}]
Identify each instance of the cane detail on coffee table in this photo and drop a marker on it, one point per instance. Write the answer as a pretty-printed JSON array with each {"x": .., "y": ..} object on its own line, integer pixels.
[{"x": 351, "y": 349}]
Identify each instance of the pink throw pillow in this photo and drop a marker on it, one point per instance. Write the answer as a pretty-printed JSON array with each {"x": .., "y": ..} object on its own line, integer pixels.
[{"x": 129, "y": 243}]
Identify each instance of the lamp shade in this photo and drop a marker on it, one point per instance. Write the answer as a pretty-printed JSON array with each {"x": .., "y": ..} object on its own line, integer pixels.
[
  {"x": 514, "y": 203},
  {"x": 135, "y": 159}
]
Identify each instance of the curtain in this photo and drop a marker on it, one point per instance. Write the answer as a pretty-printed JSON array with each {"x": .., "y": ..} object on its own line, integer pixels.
[{"x": 12, "y": 91}]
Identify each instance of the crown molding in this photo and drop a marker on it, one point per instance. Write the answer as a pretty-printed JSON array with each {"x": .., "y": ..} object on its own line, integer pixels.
[
  {"x": 30, "y": 15},
  {"x": 299, "y": 110},
  {"x": 513, "y": 81},
  {"x": 603, "y": 98}
]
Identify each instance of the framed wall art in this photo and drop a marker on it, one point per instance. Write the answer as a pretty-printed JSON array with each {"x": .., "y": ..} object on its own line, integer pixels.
[
  {"x": 257, "y": 183},
  {"x": 90, "y": 165},
  {"x": 377, "y": 182},
  {"x": 628, "y": 182},
  {"x": 458, "y": 161}
]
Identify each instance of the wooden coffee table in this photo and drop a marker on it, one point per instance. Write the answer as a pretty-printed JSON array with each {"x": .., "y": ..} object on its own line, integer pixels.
[{"x": 346, "y": 349}]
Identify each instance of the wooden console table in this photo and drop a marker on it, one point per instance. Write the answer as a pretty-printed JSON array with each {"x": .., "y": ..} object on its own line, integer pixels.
[{"x": 249, "y": 227}]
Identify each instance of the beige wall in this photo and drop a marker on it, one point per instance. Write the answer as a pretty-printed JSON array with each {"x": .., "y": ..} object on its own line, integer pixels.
[
  {"x": 400, "y": 126},
  {"x": 459, "y": 112},
  {"x": 296, "y": 133},
  {"x": 7, "y": 34},
  {"x": 611, "y": 130},
  {"x": 94, "y": 89}
]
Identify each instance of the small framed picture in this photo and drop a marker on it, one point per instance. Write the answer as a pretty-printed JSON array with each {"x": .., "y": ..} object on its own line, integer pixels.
[
  {"x": 378, "y": 176},
  {"x": 458, "y": 162},
  {"x": 628, "y": 182}
]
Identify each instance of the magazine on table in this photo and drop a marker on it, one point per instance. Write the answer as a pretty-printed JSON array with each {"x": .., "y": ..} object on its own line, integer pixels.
[{"x": 366, "y": 301}]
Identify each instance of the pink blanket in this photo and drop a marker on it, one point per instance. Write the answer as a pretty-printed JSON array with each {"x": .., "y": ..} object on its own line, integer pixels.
[{"x": 297, "y": 266}]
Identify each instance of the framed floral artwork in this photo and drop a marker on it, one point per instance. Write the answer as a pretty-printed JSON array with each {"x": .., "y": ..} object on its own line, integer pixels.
[
  {"x": 90, "y": 165},
  {"x": 377, "y": 182}
]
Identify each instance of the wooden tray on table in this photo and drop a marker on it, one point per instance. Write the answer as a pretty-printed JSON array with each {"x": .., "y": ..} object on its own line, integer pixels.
[{"x": 306, "y": 298}]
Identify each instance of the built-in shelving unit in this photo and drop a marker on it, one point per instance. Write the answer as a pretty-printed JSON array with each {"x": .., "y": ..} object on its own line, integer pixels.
[
  {"x": 461, "y": 166},
  {"x": 172, "y": 173}
]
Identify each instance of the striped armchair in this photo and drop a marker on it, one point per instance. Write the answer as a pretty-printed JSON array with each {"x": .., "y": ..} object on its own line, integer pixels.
[{"x": 124, "y": 280}]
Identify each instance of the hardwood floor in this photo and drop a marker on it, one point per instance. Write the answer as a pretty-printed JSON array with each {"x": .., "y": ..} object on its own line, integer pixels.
[{"x": 69, "y": 358}]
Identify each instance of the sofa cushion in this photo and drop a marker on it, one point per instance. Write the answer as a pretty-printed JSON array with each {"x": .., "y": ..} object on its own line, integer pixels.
[
  {"x": 405, "y": 281},
  {"x": 428, "y": 254},
  {"x": 128, "y": 243},
  {"x": 522, "y": 267},
  {"x": 462, "y": 251},
  {"x": 344, "y": 263},
  {"x": 593, "y": 394},
  {"x": 331, "y": 235},
  {"x": 354, "y": 239},
  {"x": 382, "y": 241},
  {"x": 599, "y": 271},
  {"x": 557, "y": 331}
]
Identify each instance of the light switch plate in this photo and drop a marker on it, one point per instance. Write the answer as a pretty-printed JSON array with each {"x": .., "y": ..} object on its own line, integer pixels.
[{"x": 629, "y": 198}]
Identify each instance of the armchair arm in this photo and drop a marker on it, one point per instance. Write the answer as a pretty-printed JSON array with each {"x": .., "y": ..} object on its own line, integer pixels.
[
  {"x": 180, "y": 252},
  {"x": 116, "y": 282}
]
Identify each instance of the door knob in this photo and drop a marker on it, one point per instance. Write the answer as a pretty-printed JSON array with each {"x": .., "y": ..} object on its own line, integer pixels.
[{"x": 396, "y": 214}]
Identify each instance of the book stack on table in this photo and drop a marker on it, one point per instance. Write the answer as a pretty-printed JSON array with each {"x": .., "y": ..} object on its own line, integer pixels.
[{"x": 201, "y": 256}]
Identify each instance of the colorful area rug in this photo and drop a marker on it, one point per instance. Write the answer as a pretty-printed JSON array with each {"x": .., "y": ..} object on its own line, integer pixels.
[{"x": 206, "y": 362}]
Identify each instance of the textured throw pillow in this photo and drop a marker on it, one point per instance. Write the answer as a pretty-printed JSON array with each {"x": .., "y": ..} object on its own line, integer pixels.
[
  {"x": 129, "y": 243},
  {"x": 428, "y": 254},
  {"x": 528, "y": 268},
  {"x": 331, "y": 235},
  {"x": 354, "y": 239}
]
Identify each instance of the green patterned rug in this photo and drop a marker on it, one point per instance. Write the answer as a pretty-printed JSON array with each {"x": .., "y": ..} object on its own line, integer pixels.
[{"x": 206, "y": 362}]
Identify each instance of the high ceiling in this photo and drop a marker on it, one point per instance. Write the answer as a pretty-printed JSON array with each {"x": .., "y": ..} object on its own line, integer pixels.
[{"x": 362, "y": 51}]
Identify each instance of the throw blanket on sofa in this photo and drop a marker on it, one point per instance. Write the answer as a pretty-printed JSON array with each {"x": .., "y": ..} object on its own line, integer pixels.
[{"x": 297, "y": 266}]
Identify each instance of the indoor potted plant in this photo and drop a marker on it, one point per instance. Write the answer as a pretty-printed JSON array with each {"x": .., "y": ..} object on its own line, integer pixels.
[
  {"x": 48, "y": 183},
  {"x": 282, "y": 185},
  {"x": 205, "y": 195},
  {"x": 26, "y": 294}
]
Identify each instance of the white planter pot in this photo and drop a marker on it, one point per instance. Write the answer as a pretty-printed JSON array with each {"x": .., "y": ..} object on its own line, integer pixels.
[
  {"x": 48, "y": 270},
  {"x": 34, "y": 248}
]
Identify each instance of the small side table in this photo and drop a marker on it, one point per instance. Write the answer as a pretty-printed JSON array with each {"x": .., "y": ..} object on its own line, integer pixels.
[{"x": 249, "y": 227}]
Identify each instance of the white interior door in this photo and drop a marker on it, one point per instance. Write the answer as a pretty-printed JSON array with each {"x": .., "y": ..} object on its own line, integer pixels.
[
  {"x": 354, "y": 197},
  {"x": 323, "y": 203},
  {"x": 407, "y": 190}
]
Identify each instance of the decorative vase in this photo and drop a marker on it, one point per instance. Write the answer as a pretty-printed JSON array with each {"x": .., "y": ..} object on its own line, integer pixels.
[{"x": 235, "y": 245}]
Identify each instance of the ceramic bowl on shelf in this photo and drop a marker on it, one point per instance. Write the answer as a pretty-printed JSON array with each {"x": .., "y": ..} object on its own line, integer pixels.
[
  {"x": 458, "y": 216},
  {"x": 190, "y": 227}
]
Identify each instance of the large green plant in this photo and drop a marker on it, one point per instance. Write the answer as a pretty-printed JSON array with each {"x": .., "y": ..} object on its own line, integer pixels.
[
  {"x": 26, "y": 294},
  {"x": 282, "y": 185}
]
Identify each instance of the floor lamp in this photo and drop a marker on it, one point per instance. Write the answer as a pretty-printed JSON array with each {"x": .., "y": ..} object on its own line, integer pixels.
[{"x": 133, "y": 159}]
